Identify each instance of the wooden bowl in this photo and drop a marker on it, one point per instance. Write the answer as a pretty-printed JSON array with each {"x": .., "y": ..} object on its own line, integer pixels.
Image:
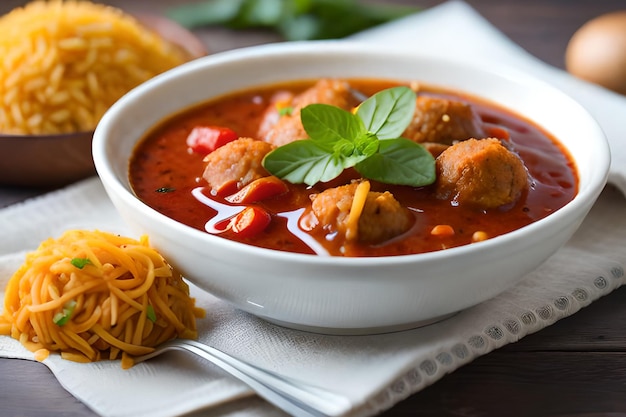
[{"x": 60, "y": 159}]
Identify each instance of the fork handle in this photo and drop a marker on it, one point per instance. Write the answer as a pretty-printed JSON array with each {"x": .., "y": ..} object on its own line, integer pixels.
[{"x": 294, "y": 397}]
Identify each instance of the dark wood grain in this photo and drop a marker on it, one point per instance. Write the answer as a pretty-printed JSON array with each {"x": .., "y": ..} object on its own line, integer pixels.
[
  {"x": 30, "y": 390},
  {"x": 577, "y": 367},
  {"x": 526, "y": 384}
]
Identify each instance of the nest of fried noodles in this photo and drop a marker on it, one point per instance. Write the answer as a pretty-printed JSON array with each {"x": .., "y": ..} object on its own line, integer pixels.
[
  {"x": 64, "y": 63},
  {"x": 92, "y": 295}
]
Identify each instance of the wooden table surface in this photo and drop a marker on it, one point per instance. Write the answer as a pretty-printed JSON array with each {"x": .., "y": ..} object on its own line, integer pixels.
[{"x": 577, "y": 367}]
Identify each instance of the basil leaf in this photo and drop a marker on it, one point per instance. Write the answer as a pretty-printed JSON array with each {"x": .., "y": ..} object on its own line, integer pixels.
[
  {"x": 344, "y": 148},
  {"x": 399, "y": 161},
  {"x": 330, "y": 123},
  {"x": 388, "y": 113},
  {"x": 363, "y": 147},
  {"x": 304, "y": 161},
  {"x": 367, "y": 144},
  {"x": 368, "y": 140}
]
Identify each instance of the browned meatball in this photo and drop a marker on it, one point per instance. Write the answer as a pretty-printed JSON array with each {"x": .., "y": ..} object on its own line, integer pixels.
[
  {"x": 236, "y": 164},
  {"x": 482, "y": 173},
  {"x": 443, "y": 121},
  {"x": 382, "y": 217},
  {"x": 279, "y": 102},
  {"x": 287, "y": 128}
]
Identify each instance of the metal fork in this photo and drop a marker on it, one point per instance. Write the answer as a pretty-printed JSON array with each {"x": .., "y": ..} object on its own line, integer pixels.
[{"x": 294, "y": 397}]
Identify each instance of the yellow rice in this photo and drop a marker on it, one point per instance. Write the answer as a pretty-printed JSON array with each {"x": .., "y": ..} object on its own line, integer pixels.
[{"x": 64, "y": 63}]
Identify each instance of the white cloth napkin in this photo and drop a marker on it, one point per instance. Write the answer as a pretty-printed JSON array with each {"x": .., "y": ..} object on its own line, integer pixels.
[{"x": 373, "y": 372}]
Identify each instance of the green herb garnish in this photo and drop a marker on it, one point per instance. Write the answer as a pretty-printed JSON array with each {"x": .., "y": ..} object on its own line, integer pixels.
[
  {"x": 285, "y": 111},
  {"x": 80, "y": 263},
  {"x": 292, "y": 19},
  {"x": 61, "y": 318},
  {"x": 368, "y": 141},
  {"x": 150, "y": 313},
  {"x": 165, "y": 190}
]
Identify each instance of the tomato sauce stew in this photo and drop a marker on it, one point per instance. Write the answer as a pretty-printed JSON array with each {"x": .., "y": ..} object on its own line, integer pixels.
[{"x": 483, "y": 187}]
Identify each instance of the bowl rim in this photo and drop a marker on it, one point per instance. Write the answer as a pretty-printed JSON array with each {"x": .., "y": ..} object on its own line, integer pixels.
[{"x": 581, "y": 200}]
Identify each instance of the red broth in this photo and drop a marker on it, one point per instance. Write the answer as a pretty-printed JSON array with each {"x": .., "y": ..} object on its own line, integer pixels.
[{"x": 164, "y": 175}]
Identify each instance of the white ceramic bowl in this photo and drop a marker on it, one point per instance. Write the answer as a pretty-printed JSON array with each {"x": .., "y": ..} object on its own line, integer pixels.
[{"x": 333, "y": 294}]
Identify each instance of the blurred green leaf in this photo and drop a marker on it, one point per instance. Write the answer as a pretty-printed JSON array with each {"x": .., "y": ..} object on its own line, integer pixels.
[
  {"x": 258, "y": 13},
  {"x": 208, "y": 13},
  {"x": 292, "y": 19}
]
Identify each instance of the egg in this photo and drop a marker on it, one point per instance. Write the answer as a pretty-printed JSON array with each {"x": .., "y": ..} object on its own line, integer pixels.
[{"x": 597, "y": 51}]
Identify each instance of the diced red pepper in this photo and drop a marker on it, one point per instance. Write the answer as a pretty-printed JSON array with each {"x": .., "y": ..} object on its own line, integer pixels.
[
  {"x": 206, "y": 139},
  {"x": 259, "y": 189},
  {"x": 250, "y": 221},
  {"x": 226, "y": 189}
]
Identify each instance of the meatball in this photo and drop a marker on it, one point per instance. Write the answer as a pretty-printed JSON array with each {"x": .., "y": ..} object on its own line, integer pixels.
[
  {"x": 482, "y": 173},
  {"x": 281, "y": 129},
  {"x": 382, "y": 218},
  {"x": 279, "y": 102},
  {"x": 443, "y": 121},
  {"x": 236, "y": 164}
]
